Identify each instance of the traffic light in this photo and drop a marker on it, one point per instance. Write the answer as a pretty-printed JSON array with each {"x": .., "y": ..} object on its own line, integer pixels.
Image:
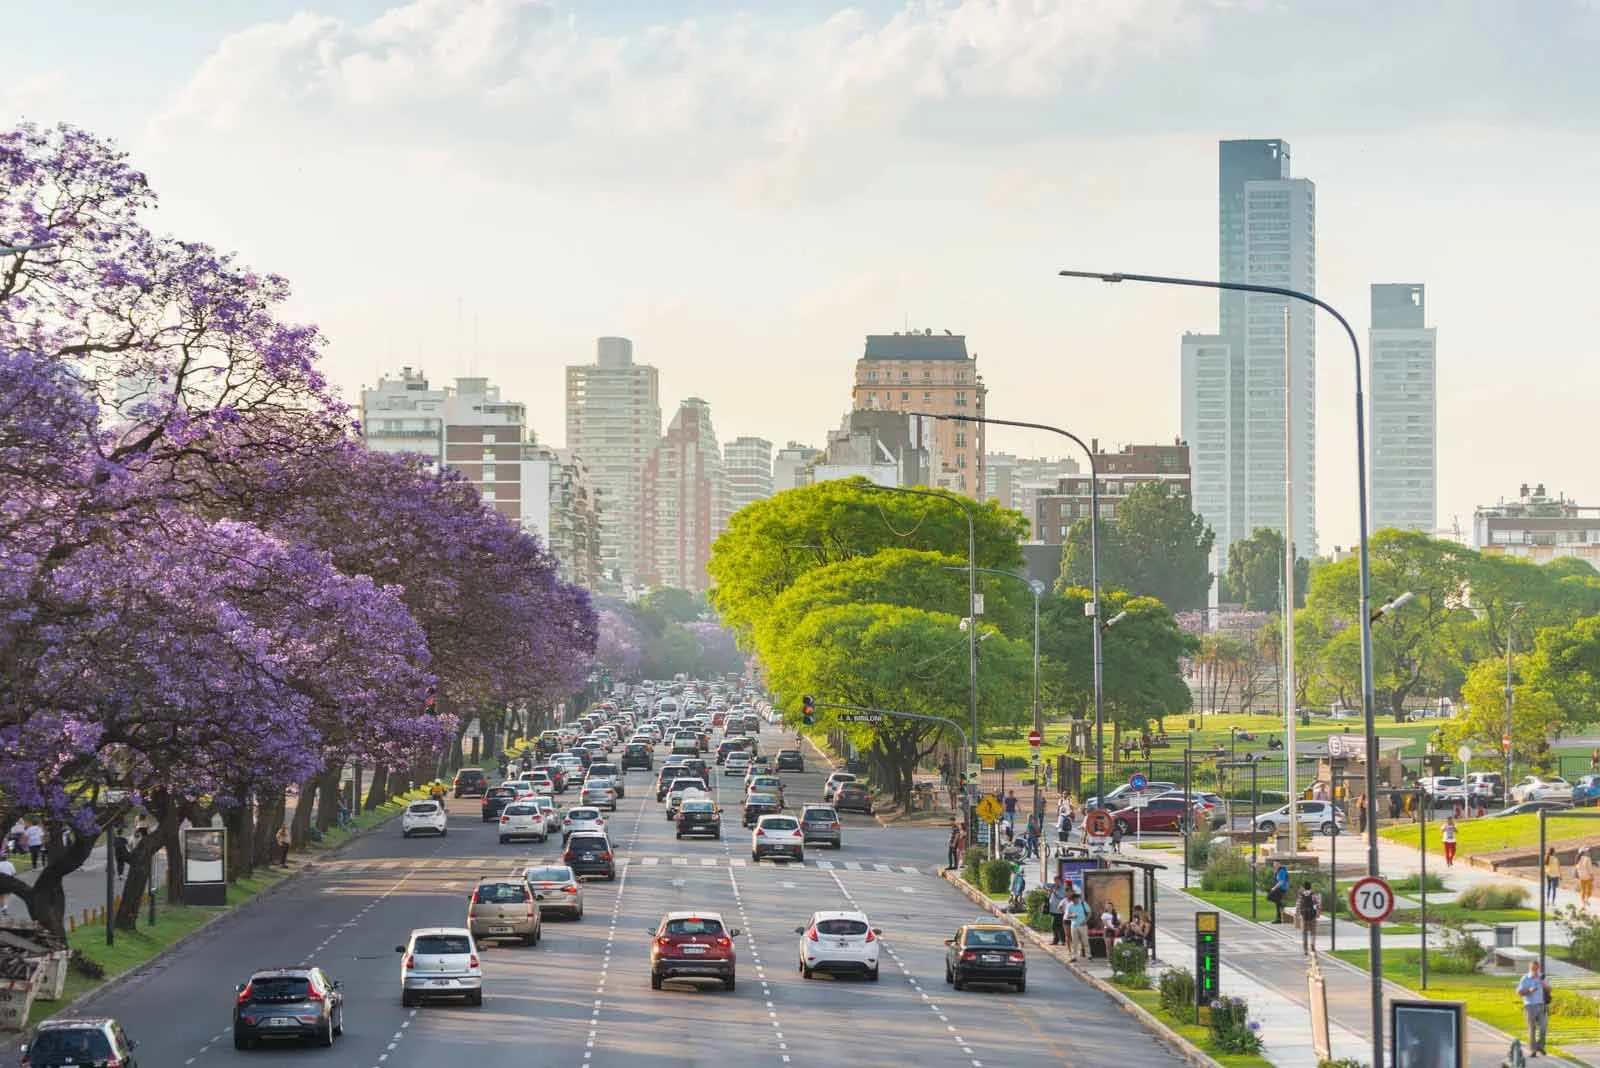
[{"x": 808, "y": 710}]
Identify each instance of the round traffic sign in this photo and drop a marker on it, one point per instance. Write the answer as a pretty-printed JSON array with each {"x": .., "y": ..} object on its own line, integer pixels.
[
  {"x": 1097, "y": 823},
  {"x": 1035, "y": 739},
  {"x": 1505, "y": 742},
  {"x": 1137, "y": 781},
  {"x": 1464, "y": 754},
  {"x": 1371, "y": 899}
]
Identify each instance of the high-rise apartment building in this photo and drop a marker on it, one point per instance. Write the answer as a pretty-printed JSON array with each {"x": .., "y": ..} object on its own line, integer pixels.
[
  {"x": 614, "y": 424},
  {"x": 404, "y": 415},
  {"x": 562, "y": 506},
  {"x": 928, "y": 372},
  {"x": 1119, "y": 472},
  {"x": 1259, "y": 369},
  {"x": 682, "y": 501},
  {"x": 483, "y": 437},
  {"x": 791, "y": 466},
  {"x": 1403, "y": 417},
  {"x": 747, "y": 466}
]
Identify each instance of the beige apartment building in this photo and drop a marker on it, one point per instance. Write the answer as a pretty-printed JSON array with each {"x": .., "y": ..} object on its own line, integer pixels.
[{"x": 928, "y": 372}]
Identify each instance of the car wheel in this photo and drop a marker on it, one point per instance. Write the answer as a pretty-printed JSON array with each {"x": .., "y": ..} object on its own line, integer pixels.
[
  {"x": 475, "y": 999},
  {"x": 1022, "y": 986},
  {"x": 1329, "y": 829},
  {"x": 755, "y": 858},
  {"x": 444, "y": 833},
  {"x": 504, "y": 839},
  {"x": 338, "y": 1024},
  {"x": 680, "y": 836},
  {"x": 872, "y": 976},
  {"x": 947, "y": 976},
  {"x": 1267, "y": 827},
  {"x": 655, "y": 980},
  {"x": 959, "y": 983},
  {"x": 407, "y": 999},
  {"x": 240, "y": 1039},
  {"x": 729, "y": 983},
  {"x": 405, "y": 834},
  {"x": 326, "y": 1038},
  {"x": 805, "y": 973},
  {"x": 800, "y": 857},
  {"x": 579, "y": 914}
]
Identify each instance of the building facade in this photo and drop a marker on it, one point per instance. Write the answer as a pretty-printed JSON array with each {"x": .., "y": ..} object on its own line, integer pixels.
[
  {"x": 1207, "y": 415},
  {"x": 404, "y": 414},
  {"x": 562, "y": 506},
  {"x": 614, "y": 424},
  {"x": 925, "y": 372},
  {"x": 747, "y": 466},
  {"x": 791, "y": 466},
  {"x": 1538, "y": 527},
  {"x": 483, "y": 437},
  {"x": 682, "y": 501},
  {"x": 1403, "y": 413},
  {"x": 1119, "y": 473}
]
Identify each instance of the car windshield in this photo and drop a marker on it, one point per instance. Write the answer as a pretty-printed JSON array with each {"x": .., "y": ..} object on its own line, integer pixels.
[
  {"x": 522, "y": 810},
  {"x": 694, "y": 926},
  {"x": 442, "y": 944},
  {"x": 501, "y": 894},
  {"x": 558, "y": 874},
  {"x": 813, "y": 815},
  {"x": 990, "y": 937},
  {"x": 501, "y": 791},
  {"x": 279, "y": 988},
  {"x": 423, "y": 808},
  {"x": 584, "y": 813},
  {"x": 841, "y": 928},
  {"x": 85, "y": 1042},
  {"x": 782, "y": 823}
]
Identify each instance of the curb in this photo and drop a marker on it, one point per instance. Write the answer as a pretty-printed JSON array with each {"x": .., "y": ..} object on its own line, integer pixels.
[
  {"x": 1182, "y": 1046},
  {"x": 140, "y": 971}
]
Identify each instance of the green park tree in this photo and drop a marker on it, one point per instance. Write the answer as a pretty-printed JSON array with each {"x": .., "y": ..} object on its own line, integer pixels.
[
  {"x": 1156, "y": 547},
  {"x": 1537, "y": 716},
  {"x": 1255, "y": 572}
]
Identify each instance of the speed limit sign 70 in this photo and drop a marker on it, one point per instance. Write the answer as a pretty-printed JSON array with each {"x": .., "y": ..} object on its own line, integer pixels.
[{"x": 1371, "y": 899}]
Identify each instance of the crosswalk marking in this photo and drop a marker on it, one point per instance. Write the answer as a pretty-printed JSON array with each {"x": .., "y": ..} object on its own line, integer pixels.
[
  {"x": 909, "y": 870},
  {"x": 825, "y": 865},
  {"x": 681, "y": 862},
  {"x": 853, "y": 865},
  {"x": 711, "y": 862},
  {"x": 737, "y": 862},
  {"x": 881, "y": 867},
  {"x": 647, "y": 861}
]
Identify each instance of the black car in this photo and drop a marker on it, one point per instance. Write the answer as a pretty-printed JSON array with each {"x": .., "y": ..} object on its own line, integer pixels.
[
  {"x": 853, "y": 797},
  {"x": 84, "y": 1042},
  {"x": 699, "y": 816},
  {"x": 590, "y": 854},
  {"x": 985, "y": 953},
  {"x": 637, "y": 755},
  {"x": 696, "y": 767},
  {"x": 791, "y": 760},
  {"x": 758, "y": 805},
  {"x": 494, "y": 799},
  {"x": 471, "y": 782},
  {"x": 283, "y": 1003}
]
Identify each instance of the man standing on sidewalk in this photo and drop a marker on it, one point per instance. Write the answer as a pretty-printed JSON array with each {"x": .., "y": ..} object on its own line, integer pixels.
[
  {"x": 1306, "y": 907},
  {"x": 954, "y": 859},
  {"x": 1535, "y": 994},
  {"x": 1057, "y": 905}
]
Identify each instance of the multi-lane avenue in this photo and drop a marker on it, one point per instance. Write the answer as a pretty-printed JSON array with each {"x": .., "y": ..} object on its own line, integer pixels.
[{"x": 582, "y": 997}]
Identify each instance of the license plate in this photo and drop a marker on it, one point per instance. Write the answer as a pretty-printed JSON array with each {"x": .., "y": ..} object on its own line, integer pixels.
[
  {"x": 993, "y": 958},
  {"x": 588, "y": 856},
  {"x": 499, "y": 930},
  {"x": 841, "y": 944},
  {"x": 280, "y": 1021},
  {"x": 694, "y": 949},
  {"x": 443, "y": 982}
]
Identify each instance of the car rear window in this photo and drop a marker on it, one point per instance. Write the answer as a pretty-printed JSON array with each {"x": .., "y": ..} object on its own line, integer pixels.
[
  {"x": 280, "y": 988},
  {"x": 694, "y": 927},
  {"x": 761, "y": 799},
  {"x": 584, "y": 813},
  {"x": 501, "y": 791},
  {"x": 423, "y": 808},
  {"x": 559, "y": 874},
  {"x": 819, "y": 815},
  {"x": 588, "y": 841},
  {"x": 841, "y": 927},
  {"x": 87, "y": 1042},
  {"x": 1002, "y": 939},
  {"x": 782, "y": 823},
  {"x": 522, "y": 810},
  {"x": 698, "y": 806},
  {"x": 442, "y": 945},
  {"x": 501, "y": 893},
  {"x": 472, "y": 774}
]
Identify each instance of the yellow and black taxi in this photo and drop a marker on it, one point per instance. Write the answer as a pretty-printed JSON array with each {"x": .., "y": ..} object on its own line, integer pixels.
[{"x": 985, "y": 953}]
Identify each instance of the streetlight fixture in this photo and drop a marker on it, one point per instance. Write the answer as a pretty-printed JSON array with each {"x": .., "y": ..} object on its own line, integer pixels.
[
  {"x": 1374, "y": 931},
  {"x": 1092, "y": 609}
]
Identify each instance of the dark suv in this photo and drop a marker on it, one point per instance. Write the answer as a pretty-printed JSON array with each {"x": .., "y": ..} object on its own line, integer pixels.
[
  {"x": 494, "y": 799},
  {"x": 589, "y": 853},
  {"x": 471, "y": 782},
  {"x": 637, "y": 755},
  {"x": 791, "y": 760},
  {"x": 298, "y": 1003},
  {"x": 85, "y": 1042}
]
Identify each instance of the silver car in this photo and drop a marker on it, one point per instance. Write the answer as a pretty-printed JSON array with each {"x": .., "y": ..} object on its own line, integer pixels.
[
  {"x": 505, "y": 909},
  {"x": 440, "y": 962},
  {"x": 552, "y": 815},
  {"x": 562, "y": 891}
]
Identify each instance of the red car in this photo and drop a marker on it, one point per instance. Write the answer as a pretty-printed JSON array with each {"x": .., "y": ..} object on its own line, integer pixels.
[
  {"x": 1161, "y": 814},
  {"x": 692, "y": 945}
]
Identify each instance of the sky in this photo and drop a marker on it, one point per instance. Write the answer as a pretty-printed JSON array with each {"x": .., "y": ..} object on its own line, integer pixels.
[{"x": 746, "y": 189}]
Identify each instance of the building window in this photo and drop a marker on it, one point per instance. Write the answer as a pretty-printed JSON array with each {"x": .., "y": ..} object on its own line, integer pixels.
[
  {"x": 872, "y": 400},
  {"x": 961, "y": 459},
  {"x": 488, "y": 437},
  {"x": 961, "y": 439},
  {"x": 927, "y": 398},
  {"x": 488, "y": 494},
  {"x": 488, "y": 473},
  {"x": 872, "y": 376},
  {"x": 961, "y": 398}
]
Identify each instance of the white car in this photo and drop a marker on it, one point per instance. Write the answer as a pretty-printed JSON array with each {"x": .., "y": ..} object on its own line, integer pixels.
[
  {"x": 583, "y": 818},
  {"x": 522, "y": 819},
  {"x": 737, "y": 762},
  {"x": 552, "y": 815},
  {"x": 777, "y": 835},
  {"x": 1321, "y": 817},
  {"x": 836, "y": 780},
  {"x": 440, "y": 962},
  {"x": 542, "y": 782},
  {"x": 424, "y": 817},
  {"x": 839, "y": 943},
  {"x": 1542, "y": 788},
  {"x": 1444, "y": 788},
  {"x": 523, "y": 787}
]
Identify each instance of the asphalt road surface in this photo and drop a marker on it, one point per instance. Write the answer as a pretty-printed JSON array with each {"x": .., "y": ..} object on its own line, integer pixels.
[{"x": 582, "y": 997}]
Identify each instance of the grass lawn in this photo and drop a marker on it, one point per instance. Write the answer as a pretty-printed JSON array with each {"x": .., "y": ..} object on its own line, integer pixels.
[
  {"x": 1492, "y": 835},
  {"x": 1238, "y": 903},
  {"x": 1490, "y": 998},
  {"x": 1150, "y": 1002}
]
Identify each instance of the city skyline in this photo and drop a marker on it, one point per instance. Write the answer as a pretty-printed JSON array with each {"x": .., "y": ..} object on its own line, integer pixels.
[{"x": 961, "y": 154}]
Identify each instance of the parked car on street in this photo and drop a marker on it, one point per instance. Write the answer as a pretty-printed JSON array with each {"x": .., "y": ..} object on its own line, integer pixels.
[
  {"x": 1322, "y": 817},
  {"x": 1542, "y": 788}
]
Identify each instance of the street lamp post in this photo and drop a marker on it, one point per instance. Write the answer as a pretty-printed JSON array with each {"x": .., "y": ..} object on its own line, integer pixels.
[
  {"x": 1374, "y": 931},
  {"x": 1092, "y": 609},
  {"x": 1505, "y": 785}
]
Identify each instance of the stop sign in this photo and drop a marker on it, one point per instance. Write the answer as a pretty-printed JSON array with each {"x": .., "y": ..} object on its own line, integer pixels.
[
  {"x": 1035, "y": 739},
  {"x": 1505, "y": 741}
]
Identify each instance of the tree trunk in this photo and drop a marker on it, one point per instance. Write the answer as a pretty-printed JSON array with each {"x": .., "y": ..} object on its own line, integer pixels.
[
  {"x": 142, "y": 859},
  {"x": 168, "y": 832},
  {"x": 378, "y": 790},
  {"x": 300, "y": 826},
  {"x": 265, "y": 840},
  {"x": 328, "y": 795},
  {"x": 47, "y": 897},
  {"x": 236, "y": 825}
]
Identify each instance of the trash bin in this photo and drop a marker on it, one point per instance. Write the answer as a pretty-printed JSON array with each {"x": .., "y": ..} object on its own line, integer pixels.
[{"x": 1505, "y": 935}]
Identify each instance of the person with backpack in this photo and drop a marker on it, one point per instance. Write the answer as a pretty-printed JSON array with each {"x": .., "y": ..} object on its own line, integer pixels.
[
  {"x": 1279, "y": 894},
  {"x": 1307, "y": 907}
]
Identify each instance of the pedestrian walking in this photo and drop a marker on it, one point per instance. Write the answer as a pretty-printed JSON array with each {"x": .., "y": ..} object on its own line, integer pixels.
[
  {"x": 1447, "y": 835},
  {"x": 1011, "y": 806},
  {"x": 1019, "y": 886},
  {"x": 283, "y": 847},
  {"x": 1584, "y": 870},
  {"x": 1116, "y": 836},
  {"x": 1064, "y": 818},
  {"x": 954, "y": 859},
  {"x": 1534, "y": 990},
  {"x": 34, "y": 835},
  {"x": 1361, "y": 813},
  {"x": 1077, "y": 926},
  {"x": 1048, "y": 775},
  {"x": 1031, "y": 838},
  {"x": 1110, "y": 928},
  {"x": 1394, "y": 804},
  {"x": 1279, "y": 894},
  {"x": 1056, "y": 905},
  {"x": 121, "y": 853},
  {"x": 10, "y": 869},
  {"x": 1552, "y": 875},
  {"x": 1306, "y": 907}
]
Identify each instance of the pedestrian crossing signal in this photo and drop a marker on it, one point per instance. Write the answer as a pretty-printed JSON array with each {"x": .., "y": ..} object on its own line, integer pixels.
[{"x": 808, "y": 710}]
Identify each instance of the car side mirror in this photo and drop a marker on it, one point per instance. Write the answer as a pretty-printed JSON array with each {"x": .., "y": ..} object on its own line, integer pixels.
[
  {"x": 238, "y": 988},
  {"x": 733, "y": 932},
  {"x": 24, "y": 1049},
  {"x": 399, "y": 949},
  {"x": 799, "y": 930},
  {"x": 538, "y": 897},
  {"x": 878, "y": 931},
  {"x": 949, "y": 941},
  {"x": 338, "y": 984}
]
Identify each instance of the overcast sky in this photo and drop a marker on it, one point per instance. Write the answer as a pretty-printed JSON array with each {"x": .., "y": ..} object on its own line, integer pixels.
[{"x": 748, "y": 188}]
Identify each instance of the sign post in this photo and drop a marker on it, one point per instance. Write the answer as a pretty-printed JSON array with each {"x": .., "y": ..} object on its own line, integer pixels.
[
  {"x": 1137, "y": 782},
  {"x": 1207, "y": 963}
]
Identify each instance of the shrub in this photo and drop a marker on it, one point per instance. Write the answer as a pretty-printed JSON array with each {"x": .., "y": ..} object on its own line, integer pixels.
[
  {"x": 1583, "y": 931},
  {"x": 1571, "y": 1003},
  {"x": 1128, "y": 966},
  {"x": 1493, "y": 896},
  {"x": 1342, "y": 1062},
  {"x": 1036, "y": 900},
  {"x": 1232, "y": 1030},
  {"x": 1226, "y": 869},
  {"x": 1460, "y": 950},
  {"x": 996, "y": 875},
  {"x": 86, "y": 966},
  {"x": 1201, "y": 842},
  {"x": 1408, "y": 884},
  {"x": 1176, "y": 989},
  {"x": 972, "y": 865}
]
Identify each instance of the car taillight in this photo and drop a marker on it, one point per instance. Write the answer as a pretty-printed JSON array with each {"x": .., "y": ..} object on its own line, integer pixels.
[
  {"x": 568, "y": 820},
  {"x": 244, "y": 995},
  {"x": 870, "y": 936},
  {"x": 663, "y": 942},
  {"x": 473, "y": 961},
  {"x": 811, "y": 935},
  {"x": 605, "y": 856},
  {"x": 411, "y": 961},
  {"x": 834, "y": 826},
  {"x": 113, "y": 1062},
  {"x": 1016, "y": 958},
  {"x": 724, "y": 942},
  {"x": 314, "y": 995},
  {"x": 760, "y": 833},
  {"x": 968, "y": 954},
  {"x": 567, "y": 856},
  {"x": 505, "y": 819}
]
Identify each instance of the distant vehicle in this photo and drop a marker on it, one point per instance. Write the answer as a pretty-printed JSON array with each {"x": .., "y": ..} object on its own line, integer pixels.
[
  {"x": 424, "y": 817},
  {"x": 1323, "y": 817},
  {"x": 1586, "y": 791},
  {"x": 1444, "y": 789},
  {"x": 1485, "y": 784},
  {"x": 1542, "y": 788},
  {"x": 1528, "y": 807}
]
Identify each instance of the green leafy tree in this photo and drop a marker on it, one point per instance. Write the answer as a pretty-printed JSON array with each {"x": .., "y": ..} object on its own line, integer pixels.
[
  {"x": 672, "y": 605},
  {"x": 1537, "y": 716},
  {"x": 1255, "y": 572},
  {"x": 1566, "y": 664},
  {"x": 1156, "y": 547},
  {"x": 770, "y": 544},
  {"x": 898, "y": 658}
]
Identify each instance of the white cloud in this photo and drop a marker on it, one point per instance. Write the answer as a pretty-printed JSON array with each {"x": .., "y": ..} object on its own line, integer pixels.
[
  {"x": 748, "y": 100},
  {"x": 33, "y": 98}
]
